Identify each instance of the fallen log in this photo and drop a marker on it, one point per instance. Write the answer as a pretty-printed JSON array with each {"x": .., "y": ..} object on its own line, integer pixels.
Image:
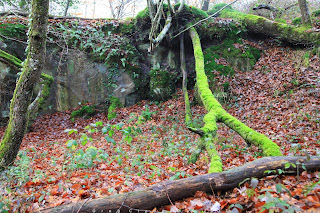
[{"x": 161, "y": 194}]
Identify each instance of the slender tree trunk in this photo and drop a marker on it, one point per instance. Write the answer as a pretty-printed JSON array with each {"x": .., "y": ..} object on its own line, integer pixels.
[
  {"x": 33, "y": 66},
  {"x": 184, "y": 81},
  {"x": 304, "y": 11},
  {"x": 67, "y": 8}
]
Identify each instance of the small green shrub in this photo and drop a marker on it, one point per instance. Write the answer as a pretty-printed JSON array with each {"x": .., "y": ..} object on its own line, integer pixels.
[
  {"x": 280, "y": 20},
  {"x": 114, "y": 104},
  {"x": 86, "y": 111},
  {"x": 78, "y": 156},
  {"x": 297, "y": 21}
]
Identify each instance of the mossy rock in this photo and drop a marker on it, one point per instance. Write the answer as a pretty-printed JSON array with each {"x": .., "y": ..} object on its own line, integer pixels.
[{"x": 161, "y": 84}]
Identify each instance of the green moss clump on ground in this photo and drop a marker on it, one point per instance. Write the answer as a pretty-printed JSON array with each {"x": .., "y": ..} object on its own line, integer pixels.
[
  {"x": 114, "y": 104},
  {"x": 161, "y": 84},
  {"x": 297, "y": 21},
  {"x": 280, "y": 20},
  {"x": 86, "y": 111}
]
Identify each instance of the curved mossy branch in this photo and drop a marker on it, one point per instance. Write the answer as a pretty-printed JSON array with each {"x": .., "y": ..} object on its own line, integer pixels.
[
  {"x": 217, "y": 114},
  {"x": 164, "y": 31},
  {"x": 13, "y": 61},
  {"x": 250, "y": 136},
  {"x": 210, "y": 126},
  {"x": 258, "y": 24}
]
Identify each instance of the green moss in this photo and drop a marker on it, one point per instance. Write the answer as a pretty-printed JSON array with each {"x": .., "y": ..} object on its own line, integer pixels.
[
  {"x": 142, "y": 15},
  {"x": 14, "y": 60},
  {"x": 275, "y": 29},
  {"x": 217, "y": 7},
  {"x": 47, "y": 82},
  {"x": 297, "y": 21},
  {"x": 85, "y": 111},
  {"x": 215, "y": 160},
  {"x": 280, "y": 20},
  {"x": 114, "y": 104}
]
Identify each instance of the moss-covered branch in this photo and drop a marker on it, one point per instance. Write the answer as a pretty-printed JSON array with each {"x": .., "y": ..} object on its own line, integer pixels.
[
  {"x": 258, "y": 24},
  {"x": 217, "y": 114}
]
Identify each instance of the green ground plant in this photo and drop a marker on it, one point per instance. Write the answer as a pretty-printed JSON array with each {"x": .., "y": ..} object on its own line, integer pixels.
[{"x": 86, "y": 111}]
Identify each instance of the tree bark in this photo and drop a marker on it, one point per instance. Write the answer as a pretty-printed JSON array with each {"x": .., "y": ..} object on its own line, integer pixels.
[
  {"x": 184, "y": 81},
  {"x": 304, "y": 12},
  {"x": 159, "y": 194},
  {"x": 18, "y": 121},
  {"x": 205, "y": 6}
]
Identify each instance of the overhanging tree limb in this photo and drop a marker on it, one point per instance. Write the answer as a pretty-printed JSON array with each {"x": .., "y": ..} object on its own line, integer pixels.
[{"x": 261, "y": 25}]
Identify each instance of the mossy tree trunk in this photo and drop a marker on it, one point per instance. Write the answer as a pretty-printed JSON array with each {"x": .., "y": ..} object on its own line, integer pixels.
[
  {"x": 217, "y": 114},
  {"x": 261, "y": 25},
  {"x": 33, "y": 66}
]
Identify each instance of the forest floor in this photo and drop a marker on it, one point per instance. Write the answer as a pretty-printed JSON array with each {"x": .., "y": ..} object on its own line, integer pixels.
[{"x": 148, "y": 143}]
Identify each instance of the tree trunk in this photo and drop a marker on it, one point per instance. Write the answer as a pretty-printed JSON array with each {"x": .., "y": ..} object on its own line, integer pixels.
[
  {"x": 205, "y": 6},
  {"x": 67, "y": 7},
  {"x": 159, "y": 194},
  {"x": 18, "y": 121},
  {"x": 304, "y": 12},
  {"x": 184, "y": 81}
]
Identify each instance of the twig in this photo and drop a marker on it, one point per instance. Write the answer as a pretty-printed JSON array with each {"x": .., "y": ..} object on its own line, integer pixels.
[
  {"x": 168, "y": 195},
  {"x": 83, "y": 204},
  {"x": 3, "y": 36}
]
